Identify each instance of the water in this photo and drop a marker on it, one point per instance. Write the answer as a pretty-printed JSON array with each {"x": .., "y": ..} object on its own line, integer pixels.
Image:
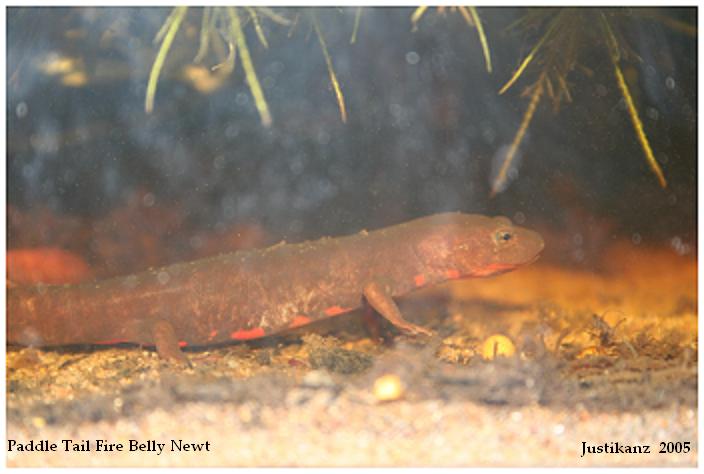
[{"x": 605, "y": 321}]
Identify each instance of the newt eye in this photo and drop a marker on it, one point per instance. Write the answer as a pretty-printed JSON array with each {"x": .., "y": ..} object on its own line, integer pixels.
[{"x": 503, "y": 236}]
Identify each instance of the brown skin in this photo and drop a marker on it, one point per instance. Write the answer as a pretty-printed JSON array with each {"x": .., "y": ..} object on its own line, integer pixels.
[{"x": 251, "y": 294}]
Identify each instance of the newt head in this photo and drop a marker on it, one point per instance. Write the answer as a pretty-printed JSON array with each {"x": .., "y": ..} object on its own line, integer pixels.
[{"x": 464, "y": 245}]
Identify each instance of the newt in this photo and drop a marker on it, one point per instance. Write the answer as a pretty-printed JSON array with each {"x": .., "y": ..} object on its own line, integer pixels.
[{"x": 255, "y": 293}]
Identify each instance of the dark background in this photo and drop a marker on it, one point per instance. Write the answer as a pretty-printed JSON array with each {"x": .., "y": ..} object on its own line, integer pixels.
[{"x": 421, "y": 138}]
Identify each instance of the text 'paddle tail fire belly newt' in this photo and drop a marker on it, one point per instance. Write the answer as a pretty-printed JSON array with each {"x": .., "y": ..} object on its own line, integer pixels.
[{"x": 252, "y": 294}]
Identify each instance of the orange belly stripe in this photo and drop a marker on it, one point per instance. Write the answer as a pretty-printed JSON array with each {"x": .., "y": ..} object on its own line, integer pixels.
[
  {"x": 299, "y": 321},
  {"x": 419, "y": 279},
  {"x": 452, "y": 274},
  {"x": 243, "y": 334},
  {"x": 333, "y": 310},
  {"x": 493, "y": 269}
]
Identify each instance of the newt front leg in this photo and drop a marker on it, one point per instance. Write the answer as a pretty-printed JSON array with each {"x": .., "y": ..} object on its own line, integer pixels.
[{"x": 379, "y": 298}]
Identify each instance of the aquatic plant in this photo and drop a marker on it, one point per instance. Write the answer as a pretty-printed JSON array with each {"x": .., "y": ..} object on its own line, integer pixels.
[
  {"x": 470, "y": 15},
  {"x": 225, "y": 21},
  {"x": 565, "y": 35},
  {"x": 227, "y": 24}
]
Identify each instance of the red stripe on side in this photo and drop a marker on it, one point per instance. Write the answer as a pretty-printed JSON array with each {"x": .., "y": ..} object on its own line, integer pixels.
[
  {"x": 334, "y": 310},
  {"x": 492, "y": 269},
  {"x": 299, "y": 321},
  {"x": 248, "y": 334},
  {"x": 452, "y": 274},
  {"x": 419, "y": 279}
]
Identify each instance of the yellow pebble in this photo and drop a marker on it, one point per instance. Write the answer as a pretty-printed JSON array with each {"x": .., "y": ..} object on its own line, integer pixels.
[
  {"x": 497, "y": 345},
  {"x": 38, "y": 422},
  {"x": 388, "y": 387}
]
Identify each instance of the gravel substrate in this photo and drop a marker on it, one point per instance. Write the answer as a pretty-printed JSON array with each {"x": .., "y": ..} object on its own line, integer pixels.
[{"x": 348, "y": 432}]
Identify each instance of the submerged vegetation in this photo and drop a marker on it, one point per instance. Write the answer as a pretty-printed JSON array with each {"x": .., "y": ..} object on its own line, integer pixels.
[
  {"x": 218, "y": 24},
  {"x": 227, "y": 24},
  {"x": 564, "y": 36},
  {"x": 471, "y": 16}
]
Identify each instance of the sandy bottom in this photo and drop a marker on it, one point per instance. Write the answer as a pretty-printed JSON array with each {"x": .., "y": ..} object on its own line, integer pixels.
[
  {"x": 598, "y": 357},
  {"x": 345, "y": 433}
]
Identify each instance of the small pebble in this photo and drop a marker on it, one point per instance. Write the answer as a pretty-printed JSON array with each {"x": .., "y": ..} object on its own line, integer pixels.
[
  {"x": 38, "y": 422},
  {"x": 388, "y": 387},
  {"x": 497, "y": 345}
]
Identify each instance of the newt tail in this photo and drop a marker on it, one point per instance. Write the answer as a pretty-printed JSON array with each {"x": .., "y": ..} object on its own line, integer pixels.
[{"x": 256, "y": 293}]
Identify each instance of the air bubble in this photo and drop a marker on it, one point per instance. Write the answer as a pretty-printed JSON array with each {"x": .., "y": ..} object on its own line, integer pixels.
[
  {"x": 323, "y": 137},
  {"x": 412, "y": 58},
  {"x": 21, "y": 110},
  {"x": 242, "y": 99},
  {"x": 130, "y": 281},
  {"x": 163, "y": 277},
  {"x": 148, "y": 200},
  {"x": 679, "y": 246},
  {"x": 670, "y": 83},
  {"x": 232, "y": 130},
  {"x": 268, "y": 82},
  {"x": 578, "y": 255},
  {"x": 396, "y": 110}
]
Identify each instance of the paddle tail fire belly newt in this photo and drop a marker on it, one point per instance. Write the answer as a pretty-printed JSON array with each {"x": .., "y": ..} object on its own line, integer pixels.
[{"x": 252, "y": 294}]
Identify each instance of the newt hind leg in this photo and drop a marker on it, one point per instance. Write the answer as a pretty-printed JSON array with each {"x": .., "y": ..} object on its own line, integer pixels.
[
  {"x": 164, "y": 337},
  {"x": 379, "y": 298}
]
